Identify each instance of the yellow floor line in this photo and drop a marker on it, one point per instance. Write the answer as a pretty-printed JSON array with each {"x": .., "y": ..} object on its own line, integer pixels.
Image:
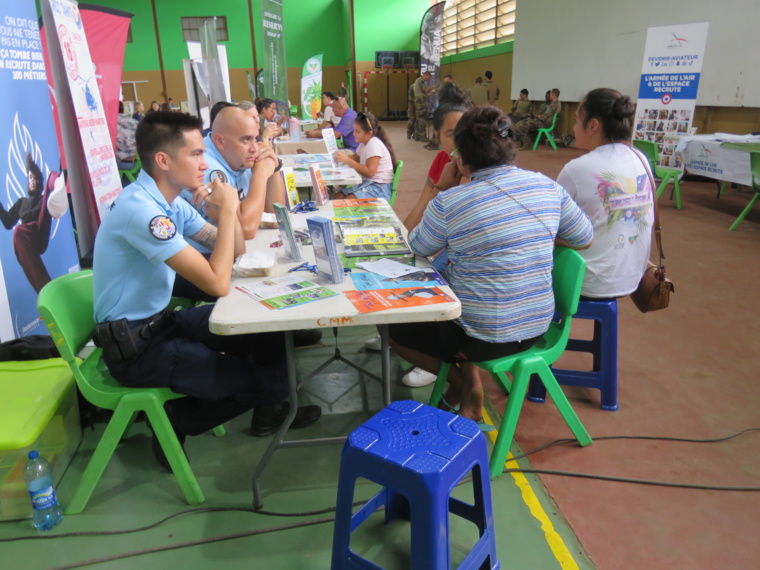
[{"x": 553, "y": 539}]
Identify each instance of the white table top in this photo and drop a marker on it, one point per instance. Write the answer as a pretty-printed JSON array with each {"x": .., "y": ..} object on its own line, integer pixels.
[
  {"x": 342, "y": 176},
  {"x": 237, "y": 313},
  {"x": 284, "y": 146}
]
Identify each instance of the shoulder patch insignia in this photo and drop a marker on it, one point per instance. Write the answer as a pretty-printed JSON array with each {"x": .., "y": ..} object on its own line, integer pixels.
[
  {"x": 162, "y": 227},
  {"x": 217, "y": 174}
]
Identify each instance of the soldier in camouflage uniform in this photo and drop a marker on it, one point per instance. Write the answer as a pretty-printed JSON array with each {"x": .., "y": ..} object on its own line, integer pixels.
[
  {"x": 420, "y": 104},
  {"x": 525, "y": 130},
  {"x": 411, "y": 112}
]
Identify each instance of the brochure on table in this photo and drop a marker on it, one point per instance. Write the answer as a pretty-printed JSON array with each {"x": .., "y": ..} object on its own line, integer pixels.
[
  {"x": 326, "y": 256},
  {"x": 286, "y": 291},
  {"x": 382, "y": 299},
  {"x": 421, "y": 278}
]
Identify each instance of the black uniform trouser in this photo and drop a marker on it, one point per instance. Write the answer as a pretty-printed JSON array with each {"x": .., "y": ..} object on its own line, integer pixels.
[{"x": 223, "y": 376}]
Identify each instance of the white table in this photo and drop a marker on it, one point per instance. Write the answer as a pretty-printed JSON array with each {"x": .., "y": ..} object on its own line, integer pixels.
[
  {"x": 708, "y": 156},
  {"x": 341, "y": 176},
  {"x": 237, "y": 313}
]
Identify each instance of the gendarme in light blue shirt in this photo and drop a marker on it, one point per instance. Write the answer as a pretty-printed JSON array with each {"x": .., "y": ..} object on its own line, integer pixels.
[
  {"x": 238, "y": 179},
  {"x": 138, "y": 234}
]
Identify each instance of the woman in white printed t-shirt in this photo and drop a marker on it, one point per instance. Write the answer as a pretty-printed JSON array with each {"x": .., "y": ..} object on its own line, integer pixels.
[
  {"x": 612, "y": 185},
  {"x": 374, "y": 160}
]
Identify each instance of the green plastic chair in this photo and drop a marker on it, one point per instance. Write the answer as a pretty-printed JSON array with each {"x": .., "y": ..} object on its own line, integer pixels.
[
  {"x": 66, "y": 307},
  {"x": 567, "y": 278},
  {"x": 754, "y": 162},
  {"x": 131, "y": 174},
  {"x": 665, "y": 174},
  {"x": 396, "y": 177},
  {"x": 294, "y": 110},
  {"x": 548, "y": 133}
]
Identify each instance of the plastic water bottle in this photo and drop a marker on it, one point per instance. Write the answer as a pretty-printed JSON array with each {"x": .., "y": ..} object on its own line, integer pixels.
[
  {"x": 295, "y": 130},
  {"x": 38, "y": 476}
]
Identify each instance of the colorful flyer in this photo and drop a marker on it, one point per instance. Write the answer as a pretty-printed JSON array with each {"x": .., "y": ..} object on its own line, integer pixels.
[
  {"x": 382, "y": 299},
  {"x": 286, "y": 291},
  {"x": 332, "y": 145},
  {"x": 421, "y": 278},
  {"x": 291, "y": 190}
]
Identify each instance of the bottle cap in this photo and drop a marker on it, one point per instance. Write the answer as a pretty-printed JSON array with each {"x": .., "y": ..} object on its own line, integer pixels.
[{"x": 34, "y": 454}]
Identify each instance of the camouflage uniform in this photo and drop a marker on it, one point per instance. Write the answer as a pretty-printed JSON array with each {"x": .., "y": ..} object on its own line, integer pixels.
[
  {"x": 421, "y": 112},
  {"x": 411, "y": 112},
  {"x": 526, "y": 129}
]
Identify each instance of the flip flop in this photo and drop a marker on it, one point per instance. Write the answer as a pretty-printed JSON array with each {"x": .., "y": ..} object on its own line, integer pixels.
[
  {"x": 449, "y": 407},
  {"x": 484, "y": 427}
]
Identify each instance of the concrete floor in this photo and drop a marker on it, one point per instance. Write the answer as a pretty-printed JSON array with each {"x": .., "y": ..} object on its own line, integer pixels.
[{"x": 689, "y": 371}]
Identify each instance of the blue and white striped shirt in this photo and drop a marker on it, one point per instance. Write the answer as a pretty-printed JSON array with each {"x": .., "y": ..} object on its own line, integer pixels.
[{"x": 499, "y": 232}]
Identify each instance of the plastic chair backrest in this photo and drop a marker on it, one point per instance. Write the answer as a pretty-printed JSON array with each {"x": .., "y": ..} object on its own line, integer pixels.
[
  {"x": 396, "y": 177},
  {"x": 754, "y": 161},
  {"x": 567, "y": 280},
  {"x": 294, "y": 110},
  {"x": 66, "y": 307},
  {"x": 650, "y": 151},
  {"x": 554, "y": 122}
]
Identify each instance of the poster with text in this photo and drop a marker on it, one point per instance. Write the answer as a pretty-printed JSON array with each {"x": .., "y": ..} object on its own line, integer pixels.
[
  {"x": 670, "y": 75},
  {"x": 311, "y": 87},
  {"x": 275, "y": 66},
  {"x": 430, "y": 48},
  {"x": 88, "y": 104},
  {"x": 36, "y": 236}
]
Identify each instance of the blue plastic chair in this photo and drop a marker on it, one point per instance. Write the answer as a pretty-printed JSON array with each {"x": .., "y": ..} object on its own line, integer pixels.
[
  {"x": 604, "y": 348},
  {"x": 418, "y": 454}
]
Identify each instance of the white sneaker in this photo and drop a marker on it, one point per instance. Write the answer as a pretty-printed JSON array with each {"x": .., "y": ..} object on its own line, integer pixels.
[
  {"x": 374, "y": 344},
  {"x": 417, "y": 378}
]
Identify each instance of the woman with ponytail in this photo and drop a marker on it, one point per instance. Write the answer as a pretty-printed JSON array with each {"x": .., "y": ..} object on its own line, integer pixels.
[
  {"x": 612, "y": 185},
  {"x": 374, "y": 160},
  {"x": 499, "y": 230}
]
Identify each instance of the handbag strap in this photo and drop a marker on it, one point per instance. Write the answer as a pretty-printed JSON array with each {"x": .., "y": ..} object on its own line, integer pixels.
[{"x": 657, "y": 227}]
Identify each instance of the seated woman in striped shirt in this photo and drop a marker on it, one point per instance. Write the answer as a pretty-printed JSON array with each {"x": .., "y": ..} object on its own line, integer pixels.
[{"x": 499, "y": 230}]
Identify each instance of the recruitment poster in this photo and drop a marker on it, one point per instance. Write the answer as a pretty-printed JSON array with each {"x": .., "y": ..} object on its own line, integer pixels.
[
  {"x": 88, "y": 104},
  {"x": 311, "y": 87},
  {"x": 36, "y": 236},
  {"x": 430, "y": 48},
  {"x": 275, "y": 66},
  {"x": 670, "y": 76}
]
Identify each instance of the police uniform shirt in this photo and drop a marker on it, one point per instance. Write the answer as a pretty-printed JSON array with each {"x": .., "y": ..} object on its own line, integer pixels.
[
  {"x": 139, "y": 233},
  {"x": 238, "y": 179}
]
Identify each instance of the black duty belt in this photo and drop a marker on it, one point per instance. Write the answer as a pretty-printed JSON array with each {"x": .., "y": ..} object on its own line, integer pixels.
[{"x": 120, "y": 339}]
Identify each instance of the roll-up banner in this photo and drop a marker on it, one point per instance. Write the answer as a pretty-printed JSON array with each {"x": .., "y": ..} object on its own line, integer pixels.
[
  {"x": 430, "y": 48},
  {"x": 311, "y": 87},
  {"x": 36, "y": 237},
  {"x": 670, "y": 76},
  {"x": 275, "y": 66}
]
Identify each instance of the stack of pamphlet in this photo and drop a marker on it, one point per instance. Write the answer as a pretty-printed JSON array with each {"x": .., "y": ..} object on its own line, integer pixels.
[
  {"x": 289, "y": 241},
  {"x": 370, "y": 228},
  {"x": 291, "y": 192},
  {"x": 326, "y": 255},
  {"x": 320, "y": 188}
]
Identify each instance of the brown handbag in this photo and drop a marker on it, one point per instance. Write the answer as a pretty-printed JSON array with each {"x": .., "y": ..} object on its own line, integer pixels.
[{"x": 653, "y": 292}]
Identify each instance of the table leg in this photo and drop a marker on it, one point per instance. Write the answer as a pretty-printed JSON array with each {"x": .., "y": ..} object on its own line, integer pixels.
[
  {"x": 386, "y": 363},
  {"x": 290, "y": 352}
]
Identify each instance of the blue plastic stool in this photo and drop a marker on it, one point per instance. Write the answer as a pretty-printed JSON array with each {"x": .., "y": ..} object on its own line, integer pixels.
[
  {"x": 604, "y": 348},
  {"x": 418, "y": 454}
]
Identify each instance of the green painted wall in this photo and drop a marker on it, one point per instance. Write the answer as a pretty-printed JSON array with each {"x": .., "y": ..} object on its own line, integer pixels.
[
  {"x": 387, "y": 25},
  {"x": 311, "y": 26}
]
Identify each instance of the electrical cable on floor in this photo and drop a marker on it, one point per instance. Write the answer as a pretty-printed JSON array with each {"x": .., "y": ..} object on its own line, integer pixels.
[
  {"x": 219, "y": 538},
  {"x": 224, "y": 537}
]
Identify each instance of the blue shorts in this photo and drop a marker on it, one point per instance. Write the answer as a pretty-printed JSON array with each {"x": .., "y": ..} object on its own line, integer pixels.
[{"x": 370, "y": 189}]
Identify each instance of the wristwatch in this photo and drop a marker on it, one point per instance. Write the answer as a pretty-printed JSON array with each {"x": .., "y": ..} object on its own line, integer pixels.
[{"x": 279, "y": 165}]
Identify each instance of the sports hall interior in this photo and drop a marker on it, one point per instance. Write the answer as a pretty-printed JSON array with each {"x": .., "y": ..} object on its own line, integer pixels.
[{"x": 687, "y": 375}]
